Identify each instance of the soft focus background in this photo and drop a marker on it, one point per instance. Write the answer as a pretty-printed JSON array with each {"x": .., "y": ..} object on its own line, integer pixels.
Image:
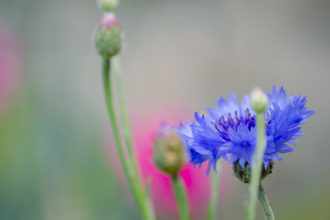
[{"x": 54, "y": 131}]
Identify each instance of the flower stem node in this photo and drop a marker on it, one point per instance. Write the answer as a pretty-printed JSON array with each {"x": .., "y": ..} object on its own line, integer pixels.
[
  {"x": 108, "y": 36},
  {"x": 259, "y": 100},
  {"x": 168, "y": 151},
  {"x": 244, "y": 173},
  {"x": 108, "y": 5}
]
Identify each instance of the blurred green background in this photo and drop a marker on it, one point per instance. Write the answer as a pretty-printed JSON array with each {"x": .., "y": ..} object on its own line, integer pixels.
[{"x": 53, "y": 160}]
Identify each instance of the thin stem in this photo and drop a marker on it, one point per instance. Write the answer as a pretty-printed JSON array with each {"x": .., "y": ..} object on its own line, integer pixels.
[
  {"x": 113, "y": 122},
  {"x": 137, "y": 193},
  {"x": 125, "y": 124},
  {"x": 266, "y": 208},
  {"x": 215, "y": 181},
  {"x": 181, "y": 198},
  {"x": 123, "y": 114},
  {"x": 257, "y": 166}
]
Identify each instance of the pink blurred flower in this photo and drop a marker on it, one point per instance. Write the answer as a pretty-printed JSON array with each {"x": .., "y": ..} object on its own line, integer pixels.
[
  {"x": 10, "y": 64},
  {"x": 197, "y": 183}
]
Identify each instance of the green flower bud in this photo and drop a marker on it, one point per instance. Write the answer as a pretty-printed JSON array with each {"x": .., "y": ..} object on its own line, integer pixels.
[
  {"x": 259, "y": 100},
  {"x": 168, "y": 151},
  {"x": 108, "y": 36},
  {"x": 108, "y": 5},
  {"x": 244, "y": 173}
]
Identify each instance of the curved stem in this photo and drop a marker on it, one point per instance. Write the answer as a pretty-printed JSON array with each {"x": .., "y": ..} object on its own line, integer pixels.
[
  {"x": 215, "y": 181},
  {"x": 125, "y": 124},
  {"x": 113, "y": 122},
  {"x": 123, "y": 113},
  {"x": 257, "y": 166},
  {"x": 266, "y": 208},
  {"x": 137, "y": 193},
  {"x": 180, "y": 197}
]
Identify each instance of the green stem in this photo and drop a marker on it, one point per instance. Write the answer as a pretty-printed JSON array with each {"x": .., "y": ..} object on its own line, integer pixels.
[
  {"x": 180, "y": 197},
  {"x": 137, "y": 193},
  {"x": 257, "y": 166},
  {"x": 215, "y": 181},
  {"x": 113, "y": 122},
  {"x": 125, "y": 124},
  {"x": 266, "y": 208},
  {"x": 123, "y": 115},
  {"x": 125, "y": 121}
]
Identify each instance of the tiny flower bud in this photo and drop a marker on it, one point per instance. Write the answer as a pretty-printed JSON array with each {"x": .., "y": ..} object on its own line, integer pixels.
[
  {"x": 244, "y": 173},
  {"x": 108, "y": 36},
  {"x": 259, "y": 100},
  {"x": 168, "y": 151},
  {"x": 108, "y": 5}
]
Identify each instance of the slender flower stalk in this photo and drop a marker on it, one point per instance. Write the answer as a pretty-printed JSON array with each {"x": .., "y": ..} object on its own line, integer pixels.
[
  {"x": 114, "y": 125},
  {"x": 136, "y": 189},
  {"x": 256, "y": 171},
  {"x": 268, "y": 212},
  {"x": 108, "y": 44},
  {"x": 259, "y": 103},
  {"x": 180, "y": 196},
  {"x": 125, "y": 125},
  {"x": 215, "y": 181}
]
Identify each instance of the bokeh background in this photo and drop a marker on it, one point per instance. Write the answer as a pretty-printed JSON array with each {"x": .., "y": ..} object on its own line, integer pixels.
[{"x": 55, "y": 161}]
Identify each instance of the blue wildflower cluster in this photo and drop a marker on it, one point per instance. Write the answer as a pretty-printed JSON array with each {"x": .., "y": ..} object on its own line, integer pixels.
[{"x": 229, "y": 130}]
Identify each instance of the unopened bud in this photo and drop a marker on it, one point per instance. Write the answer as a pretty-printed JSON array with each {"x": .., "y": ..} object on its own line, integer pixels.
[
  {"x": 108, "y": 5},
  {"x": 108, "y": 36},
  {"x": 259, "y": 100},
  {"x": 168, "y": 151}
]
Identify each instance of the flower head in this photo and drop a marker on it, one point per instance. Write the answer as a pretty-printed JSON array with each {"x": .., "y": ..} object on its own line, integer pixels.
[
  {"x": 108, "y": 36},
  {"x": 229, "y": 129},
  {"x": 168, "y": 152}
]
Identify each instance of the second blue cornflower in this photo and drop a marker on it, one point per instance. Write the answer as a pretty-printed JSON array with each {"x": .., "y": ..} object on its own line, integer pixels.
[{"x": 229, "y": 130}]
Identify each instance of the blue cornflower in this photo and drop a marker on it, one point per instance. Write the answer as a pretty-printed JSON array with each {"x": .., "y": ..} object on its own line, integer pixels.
[{"x": 229, "y": 130}]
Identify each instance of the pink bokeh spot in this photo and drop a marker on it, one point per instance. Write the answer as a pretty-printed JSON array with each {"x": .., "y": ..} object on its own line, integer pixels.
[
  {"x": 197, "y": 183},
  {"x": 10, "y": 64}
]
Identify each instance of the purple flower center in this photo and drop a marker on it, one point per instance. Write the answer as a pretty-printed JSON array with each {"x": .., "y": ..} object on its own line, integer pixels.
[
  {"x": 109, "y": 19},
  {"x": 233, "y": 122}
]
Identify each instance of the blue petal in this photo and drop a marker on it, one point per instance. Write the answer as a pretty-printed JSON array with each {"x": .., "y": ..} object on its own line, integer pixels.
[
  {"x": 242, "y": 162},
  {"x": 243, "y": 132},
  {"x": 233, "y": 135},
  {"x": 285, "y": 149}
]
